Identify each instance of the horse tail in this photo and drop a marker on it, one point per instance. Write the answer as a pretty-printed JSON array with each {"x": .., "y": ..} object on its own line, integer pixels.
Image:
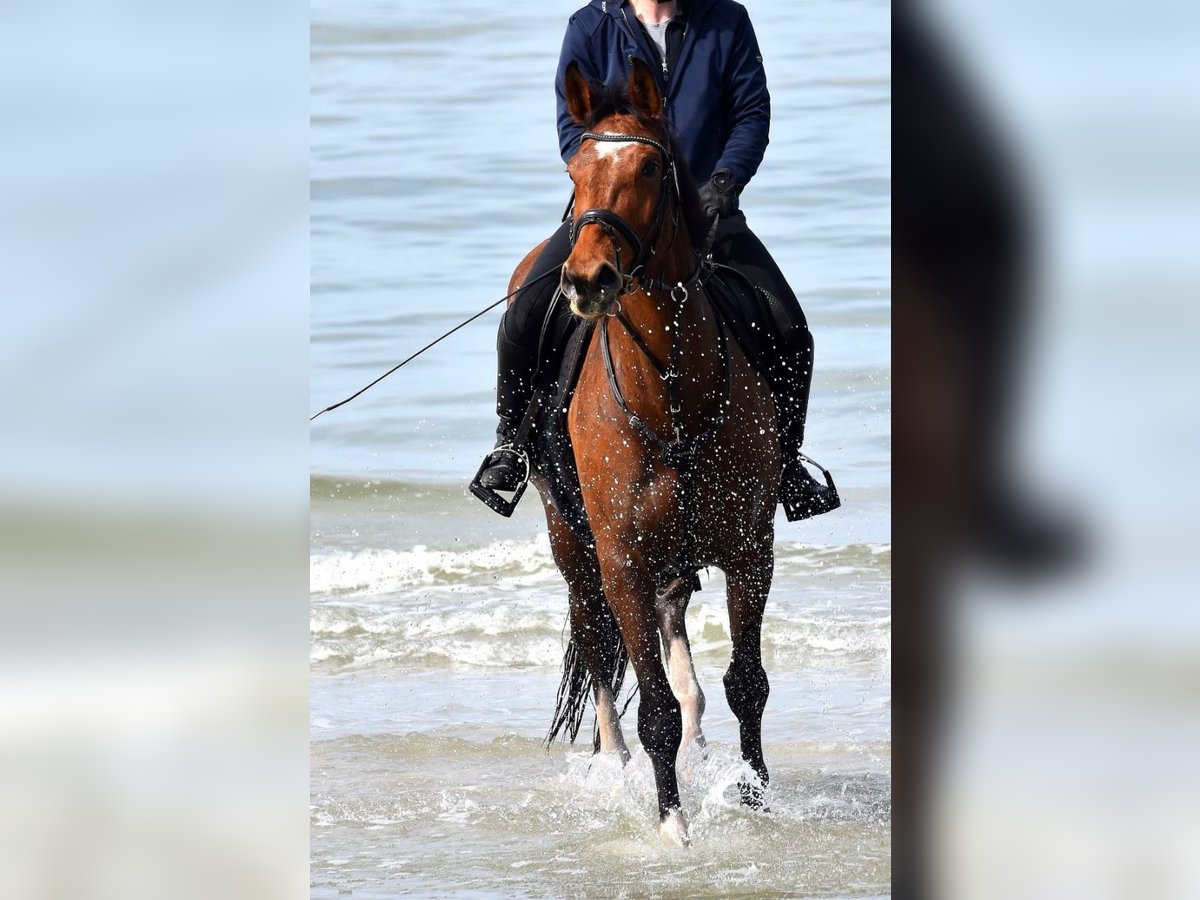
[{"x": 577, "y": 680}]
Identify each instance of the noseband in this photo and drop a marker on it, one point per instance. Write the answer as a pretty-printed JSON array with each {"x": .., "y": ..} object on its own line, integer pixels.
[{"x": 612, "y": 224}]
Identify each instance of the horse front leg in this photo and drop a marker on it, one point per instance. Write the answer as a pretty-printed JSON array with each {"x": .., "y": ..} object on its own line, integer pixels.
[
  {"x": 746, "y": 686},
  {"x": 630, "y": 590}
]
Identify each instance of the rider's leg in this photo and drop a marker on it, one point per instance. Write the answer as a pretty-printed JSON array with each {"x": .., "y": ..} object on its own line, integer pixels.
[
  {"x": 789, "y": 362},
  {"x": 517, "y": 359}
]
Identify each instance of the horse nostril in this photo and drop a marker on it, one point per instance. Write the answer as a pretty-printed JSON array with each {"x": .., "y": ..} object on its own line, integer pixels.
[
  {"x": 608, "y": 279},
  {"x": 573, "y": 286}
]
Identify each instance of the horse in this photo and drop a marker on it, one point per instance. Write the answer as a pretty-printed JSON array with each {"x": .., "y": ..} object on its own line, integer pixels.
[{"x": 675, "y": 445}]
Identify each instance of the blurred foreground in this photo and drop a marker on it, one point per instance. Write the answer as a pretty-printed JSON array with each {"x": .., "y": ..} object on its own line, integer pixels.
[
  {"x": 153, "y": 470},
  {"x": 1045, "y": 427}
]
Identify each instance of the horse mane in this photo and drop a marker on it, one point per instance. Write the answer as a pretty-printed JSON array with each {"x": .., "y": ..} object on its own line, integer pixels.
[{"x": 613, "y": 100}]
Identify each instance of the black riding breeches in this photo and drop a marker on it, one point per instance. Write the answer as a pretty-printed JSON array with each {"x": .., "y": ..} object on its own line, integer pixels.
[
  {"x": 736, "y": 245},
  {"x": 522, "y": 321}
]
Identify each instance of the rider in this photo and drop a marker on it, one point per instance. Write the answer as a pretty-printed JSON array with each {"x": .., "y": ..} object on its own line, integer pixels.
[{"x": 715, "y": 96}]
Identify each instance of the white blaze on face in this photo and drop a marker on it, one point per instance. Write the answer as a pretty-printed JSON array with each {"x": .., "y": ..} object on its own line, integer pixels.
[{"x": 611, "y": 149}]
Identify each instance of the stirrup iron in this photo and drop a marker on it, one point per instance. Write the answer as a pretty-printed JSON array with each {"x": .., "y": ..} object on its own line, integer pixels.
[
  {"x": 817, "y": 503},
  {"x": 494, "y": 500}
]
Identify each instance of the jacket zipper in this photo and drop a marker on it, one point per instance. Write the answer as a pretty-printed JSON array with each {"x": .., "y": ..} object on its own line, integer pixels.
[
  {"x": 665, "y": 68},
  {"x": 639, "y": 38},
  {"x": 682, "y": 39}
]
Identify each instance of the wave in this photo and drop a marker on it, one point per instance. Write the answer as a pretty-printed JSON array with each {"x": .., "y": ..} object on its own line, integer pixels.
[
  {"x": 383, "y": 572},
  {"x": 351, "y": 487},
  {"x": 380, "y": 572},
  {"x": 344, "y": 638},
  {"x": 504, "y": 604}
]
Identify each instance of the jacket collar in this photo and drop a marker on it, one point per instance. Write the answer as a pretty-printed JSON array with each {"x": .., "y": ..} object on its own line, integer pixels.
[{"x": 692, "y": 8}]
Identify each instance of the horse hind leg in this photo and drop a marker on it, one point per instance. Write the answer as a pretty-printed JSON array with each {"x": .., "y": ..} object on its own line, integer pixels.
[
  {"x": 671, "y": 605},
  {"x": 595, "y": 630},
  {"x": 746, "y": 685}
]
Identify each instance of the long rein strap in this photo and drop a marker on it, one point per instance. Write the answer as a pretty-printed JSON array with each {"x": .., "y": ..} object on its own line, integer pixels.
[{"x": 462, "y": 324}]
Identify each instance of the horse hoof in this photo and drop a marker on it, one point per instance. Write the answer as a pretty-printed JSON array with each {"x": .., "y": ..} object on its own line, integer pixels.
[
  {"x": 752, "y": 796},
  {"x": 673, "y": 830},
  {"x": 621, "y": 755}
]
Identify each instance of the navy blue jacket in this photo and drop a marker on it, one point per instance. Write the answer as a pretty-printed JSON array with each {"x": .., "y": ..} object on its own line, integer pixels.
[{"x": 716, "y": 96}]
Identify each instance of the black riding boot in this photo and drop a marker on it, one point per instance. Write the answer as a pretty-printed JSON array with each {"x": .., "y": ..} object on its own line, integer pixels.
[
  {"x": 516, "y": 365},
  {"x": 802, "y": 495}
]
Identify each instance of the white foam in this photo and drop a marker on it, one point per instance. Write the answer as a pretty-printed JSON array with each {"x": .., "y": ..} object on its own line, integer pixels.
[
  {"x": 374, "y": 572},
  {"x": 505, "y": 604}
]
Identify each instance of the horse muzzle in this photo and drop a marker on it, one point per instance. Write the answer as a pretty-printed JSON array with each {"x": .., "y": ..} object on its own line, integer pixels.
[{"x": 592, "y": 294}]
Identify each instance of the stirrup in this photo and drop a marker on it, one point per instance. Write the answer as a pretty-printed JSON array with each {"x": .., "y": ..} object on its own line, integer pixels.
[
  {"x": 493, "y": 498},
  {"x": 815, "y": 503}
]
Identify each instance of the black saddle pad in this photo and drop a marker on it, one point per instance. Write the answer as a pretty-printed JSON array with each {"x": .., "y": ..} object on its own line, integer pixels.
[{"x": 755, "y": 317}]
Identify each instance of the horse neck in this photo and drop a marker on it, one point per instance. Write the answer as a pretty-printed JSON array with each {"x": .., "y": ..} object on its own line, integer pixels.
[{"x": 657, "y": 317}]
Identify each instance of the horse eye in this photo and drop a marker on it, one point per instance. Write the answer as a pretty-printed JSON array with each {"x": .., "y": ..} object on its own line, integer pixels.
[{"x": 650, "y": 169}]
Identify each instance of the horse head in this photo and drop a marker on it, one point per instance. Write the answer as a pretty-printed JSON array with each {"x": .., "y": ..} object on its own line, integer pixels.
[{"x": 627, "y": 184}]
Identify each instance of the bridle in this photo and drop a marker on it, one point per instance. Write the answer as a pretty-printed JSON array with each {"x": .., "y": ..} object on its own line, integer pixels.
[{"x": 645, "y": 245}]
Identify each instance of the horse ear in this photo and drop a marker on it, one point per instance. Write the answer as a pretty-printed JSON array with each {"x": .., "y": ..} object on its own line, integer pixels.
[
  {"x": 579, "y": 93},
  {"x": 643, "y": 90}
]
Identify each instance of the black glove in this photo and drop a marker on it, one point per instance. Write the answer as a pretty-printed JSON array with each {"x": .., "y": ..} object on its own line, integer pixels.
[{"x": 719, "y": 196}]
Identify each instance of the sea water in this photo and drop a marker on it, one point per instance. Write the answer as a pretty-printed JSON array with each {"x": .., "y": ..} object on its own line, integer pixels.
[{"x": 438, "y": 627}]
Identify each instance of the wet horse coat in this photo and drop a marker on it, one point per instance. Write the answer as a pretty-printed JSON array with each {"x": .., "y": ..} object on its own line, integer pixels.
[{"x": 671, "y": 379}]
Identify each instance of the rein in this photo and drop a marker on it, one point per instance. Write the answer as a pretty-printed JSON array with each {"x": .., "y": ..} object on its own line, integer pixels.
[
  {"x": 679, "y": 452},
  {"x": 438, "y": 340}
]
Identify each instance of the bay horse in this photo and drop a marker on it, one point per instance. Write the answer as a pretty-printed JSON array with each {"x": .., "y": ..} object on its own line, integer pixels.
[{"x": 675, "y": 445}]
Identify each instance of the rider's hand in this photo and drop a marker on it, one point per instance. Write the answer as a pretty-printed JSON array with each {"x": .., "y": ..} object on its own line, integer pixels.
[{"x": 719, "y": 196}]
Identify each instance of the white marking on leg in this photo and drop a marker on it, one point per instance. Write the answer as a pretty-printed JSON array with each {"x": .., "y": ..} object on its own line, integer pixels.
[
  {"x": 609, "y": 724},
  {"x": 673, "y": 830},
  {"x": 682, "y": 674}
]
